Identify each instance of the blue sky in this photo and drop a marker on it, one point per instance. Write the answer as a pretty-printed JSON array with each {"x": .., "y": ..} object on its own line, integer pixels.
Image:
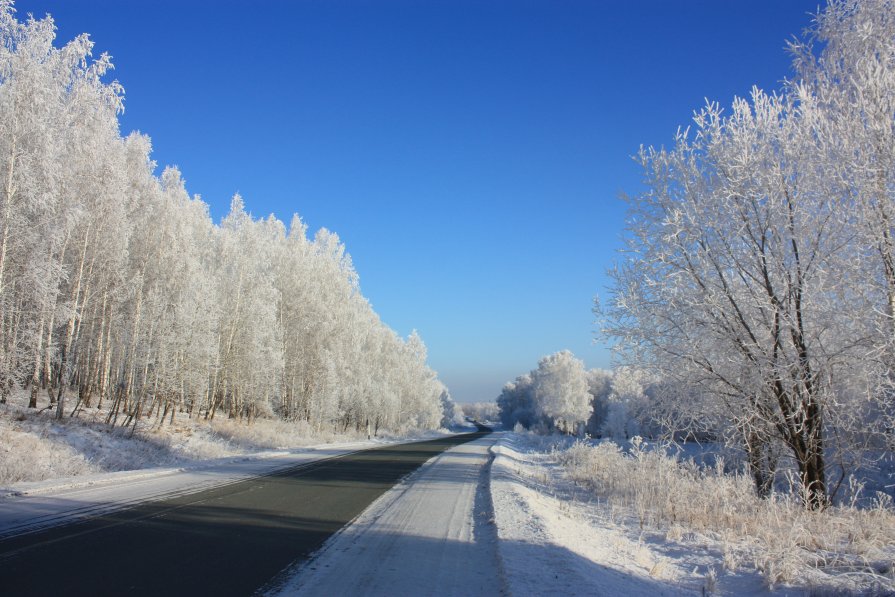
[{"x": 469, "y": 153}]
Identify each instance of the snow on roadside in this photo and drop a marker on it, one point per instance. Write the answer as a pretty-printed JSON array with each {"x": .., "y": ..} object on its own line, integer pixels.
[
  {"x": 550, "y": 543},
  {"x": 551, "y": 527},
  {"x": 36, "y": 450},
  {"x": 53, "y": 471}
]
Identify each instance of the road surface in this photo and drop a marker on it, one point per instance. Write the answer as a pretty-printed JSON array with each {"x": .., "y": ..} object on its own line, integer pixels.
[
  {"x": 432, "y": 535},
  {"x": 229, "y": 540}
]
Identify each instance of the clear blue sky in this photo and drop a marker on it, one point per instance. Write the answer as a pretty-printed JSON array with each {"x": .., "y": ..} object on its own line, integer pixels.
[{"x": 469, "y": 153}]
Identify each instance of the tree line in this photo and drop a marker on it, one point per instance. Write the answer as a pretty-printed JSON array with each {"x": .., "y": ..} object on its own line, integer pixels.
[
  {"x": 118, "y": 290},
  {"x": 560, "y": 395},
  {"x": 758, "y": 281}
]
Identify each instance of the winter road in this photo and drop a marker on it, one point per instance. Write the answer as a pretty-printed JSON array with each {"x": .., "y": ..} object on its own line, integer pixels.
[
  {"x": 432, "y": 535},
  {"x": 228, "y": 540}
]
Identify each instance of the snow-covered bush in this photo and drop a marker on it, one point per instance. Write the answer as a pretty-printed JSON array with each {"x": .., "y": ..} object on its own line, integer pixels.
[{"x": 552, "y": 397}]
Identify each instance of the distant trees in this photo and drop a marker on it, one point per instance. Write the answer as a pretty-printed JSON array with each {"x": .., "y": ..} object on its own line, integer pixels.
[
  {"x": 451, "y": 412},
  {"x": 760, "y": 279},
  {"x": 560, "y": 395},
  {"x": 117, "y": 289},
  {"x": 480, "y": 411},
  {"x": 554, "y": 396},
  {"x": 559, "y": 388}
]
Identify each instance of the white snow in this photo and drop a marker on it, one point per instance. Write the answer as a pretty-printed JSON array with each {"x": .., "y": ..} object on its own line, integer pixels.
[
  {"x": 551, "y": 544},
  {"x": 484, "y": 519},
  {"x": 551, "y": 528}
]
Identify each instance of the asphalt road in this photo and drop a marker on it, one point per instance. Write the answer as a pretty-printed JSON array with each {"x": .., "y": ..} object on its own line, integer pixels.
[{"x": 230, "y": 540}]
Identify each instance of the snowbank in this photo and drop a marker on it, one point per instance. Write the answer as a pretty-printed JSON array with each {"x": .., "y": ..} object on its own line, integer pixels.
[
  {"x": 583, "y": 539},
  {"x": 550, "y": 542}
]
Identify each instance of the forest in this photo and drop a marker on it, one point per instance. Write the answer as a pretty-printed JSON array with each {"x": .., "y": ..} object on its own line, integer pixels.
[{"x": 118, "y": 291}]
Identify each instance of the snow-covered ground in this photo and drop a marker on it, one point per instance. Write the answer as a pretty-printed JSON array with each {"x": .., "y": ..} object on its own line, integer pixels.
[
  {"x": 488, "y": 518},
  {"x": 551, "y": 543},
  {"x": 502, "y": 515},
  {"x": 586, "y": 542}
]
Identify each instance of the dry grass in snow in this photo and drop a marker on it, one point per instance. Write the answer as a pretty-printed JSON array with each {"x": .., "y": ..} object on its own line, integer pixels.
[
  {"x": 839, "y": 550},
  {"x": 553, "y": 543},
  {"x": 34, "y": 446}
]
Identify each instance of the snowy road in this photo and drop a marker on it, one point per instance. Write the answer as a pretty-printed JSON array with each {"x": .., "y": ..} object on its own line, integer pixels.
[
  {"x": 228, "y": 540},
  {"x": 431, "y": 535}
]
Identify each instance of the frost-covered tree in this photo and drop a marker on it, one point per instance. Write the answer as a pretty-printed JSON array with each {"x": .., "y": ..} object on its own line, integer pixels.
[
  {"x": 58, "y": 130},
  {"x": 599, "y": 386},
  {"x": 451, "y": 414},
  {"x": 846, "y": 64},
  {"x": 516, "y": 403},
  {"x": 758, "y": 256},
  {"x": 732, "y": 288},
  {"x": 117, "y": 287},
  {"x": 559, "y": 385},
  {"x": 249, "y": 343},
  {"x": 625, "y": 404},
  {"x": 552, "y": 396},
  {"x": 481, "y": 411}
]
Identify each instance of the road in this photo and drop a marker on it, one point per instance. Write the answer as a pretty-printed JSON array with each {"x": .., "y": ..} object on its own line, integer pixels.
[
  {"x": 229, "y": 540},
  {"x": 433, "y": 534}
]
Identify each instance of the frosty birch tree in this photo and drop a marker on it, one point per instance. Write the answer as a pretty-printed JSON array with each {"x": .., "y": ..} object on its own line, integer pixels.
[
  {"x": 560, "y": 391},
  {"x": 739, "y": 279},
  {"x": 250, "y": 344},
  {"x": 116, "y": 283}
]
